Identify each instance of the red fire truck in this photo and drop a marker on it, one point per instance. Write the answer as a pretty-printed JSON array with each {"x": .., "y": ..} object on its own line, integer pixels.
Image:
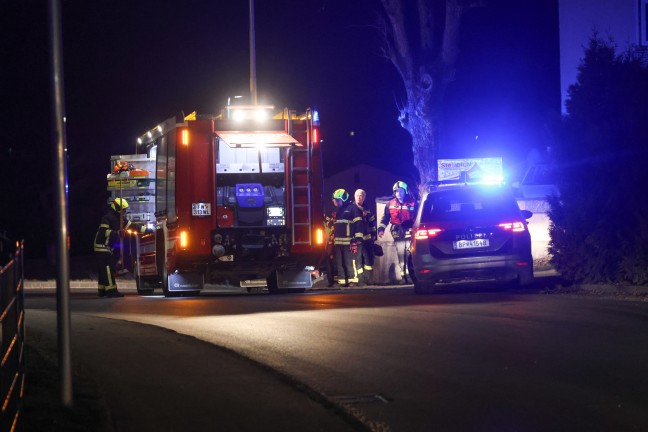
[{"x": 234, "y": 198}]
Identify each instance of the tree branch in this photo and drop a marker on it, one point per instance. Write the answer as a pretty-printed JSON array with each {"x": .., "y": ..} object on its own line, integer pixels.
[
  {"x": 450, "y": 49},
  {"x": 400, "y": 51},
  {"x": 426, "y": 26}
]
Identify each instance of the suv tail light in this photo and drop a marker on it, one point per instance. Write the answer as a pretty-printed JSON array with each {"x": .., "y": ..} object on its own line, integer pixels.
[
  {"x": 513, "y": 226},
  {"x": 425, "y": 233}
]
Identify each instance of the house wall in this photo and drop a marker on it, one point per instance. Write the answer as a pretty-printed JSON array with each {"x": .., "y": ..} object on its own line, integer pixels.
[
  {"x": 386, "y": 268},
  {"x": 374, "y": 181},
  {"x": 538, "y": 228}
]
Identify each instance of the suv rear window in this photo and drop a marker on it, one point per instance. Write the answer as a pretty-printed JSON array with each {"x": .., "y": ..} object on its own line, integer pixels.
[{"x": 459, "y": 204}]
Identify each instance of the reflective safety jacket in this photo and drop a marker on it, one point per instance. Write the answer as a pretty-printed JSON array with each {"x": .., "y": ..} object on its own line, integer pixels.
[
  {"x": 348, "y": 225},
  {"x": 396, "y": 213},
  {"x": 107, "y": 237},
  {"x": 368, "y": 224}
]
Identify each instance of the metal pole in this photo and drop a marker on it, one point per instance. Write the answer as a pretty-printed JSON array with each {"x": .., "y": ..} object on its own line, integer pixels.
[
  {"x": 121, "y": 223},
  {"x": 253, "y": 85},
  {"x": 59, "y": 149}
]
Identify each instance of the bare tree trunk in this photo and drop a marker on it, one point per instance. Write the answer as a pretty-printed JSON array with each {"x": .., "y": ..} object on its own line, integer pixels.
[
  {"x": 422, "y": 127},
  {"x": 425, "y": 60}
]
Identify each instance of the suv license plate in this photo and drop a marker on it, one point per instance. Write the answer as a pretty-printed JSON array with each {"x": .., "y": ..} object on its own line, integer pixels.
[{"x": 469, "y": 244}]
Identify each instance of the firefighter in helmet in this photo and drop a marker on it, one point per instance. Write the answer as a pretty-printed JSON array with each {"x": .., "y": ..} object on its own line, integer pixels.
[
  {"x": 400, "y": 209},
  {"x": 347, "y": 233},
  {"x": 112, "y": 225}
]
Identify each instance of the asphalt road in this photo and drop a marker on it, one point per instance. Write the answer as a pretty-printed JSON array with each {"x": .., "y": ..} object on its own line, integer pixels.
[{"x": 462, "y": 360}]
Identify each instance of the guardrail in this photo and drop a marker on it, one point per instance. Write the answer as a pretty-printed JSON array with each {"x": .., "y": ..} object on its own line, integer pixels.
[{"x": 12, "y": 341}]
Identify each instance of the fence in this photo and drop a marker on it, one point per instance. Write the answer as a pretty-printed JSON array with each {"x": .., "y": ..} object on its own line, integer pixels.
[{"x": 12, "y": 341}]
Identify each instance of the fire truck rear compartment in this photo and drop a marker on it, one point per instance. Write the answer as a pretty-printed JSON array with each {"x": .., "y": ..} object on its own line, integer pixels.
[{"x": 265, "y": 207}]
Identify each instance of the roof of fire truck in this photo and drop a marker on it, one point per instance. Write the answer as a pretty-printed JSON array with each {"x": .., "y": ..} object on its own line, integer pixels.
[{"x": 236, "y": 137}]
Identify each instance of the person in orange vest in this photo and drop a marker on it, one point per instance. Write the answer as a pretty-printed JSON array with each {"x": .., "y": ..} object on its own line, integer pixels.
[
  {"x": 347, "y": 233},
  {"x": 401, "y": 208}
]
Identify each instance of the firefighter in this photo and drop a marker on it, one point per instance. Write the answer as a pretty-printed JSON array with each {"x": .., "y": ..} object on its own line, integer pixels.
[
  {"x": 400, "y": 209},
  {"x": 347, "y": 236},
  {"x": 366, "y": 253},
  {"x": 112, "y": 224}
]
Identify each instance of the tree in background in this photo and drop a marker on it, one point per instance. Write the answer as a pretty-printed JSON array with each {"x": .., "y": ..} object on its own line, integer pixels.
[
  {"x": 599, "y": 229},
  {"x": 421, "y": 41}
]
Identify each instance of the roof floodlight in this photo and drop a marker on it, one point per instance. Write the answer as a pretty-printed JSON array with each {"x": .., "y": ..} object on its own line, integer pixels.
[
  {"x": 238, "y": 115},
  {"x": 261, "y": 115}
]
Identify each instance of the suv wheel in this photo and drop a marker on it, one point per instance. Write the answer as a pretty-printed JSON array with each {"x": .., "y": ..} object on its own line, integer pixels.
[{"x": 423, "y": 287}]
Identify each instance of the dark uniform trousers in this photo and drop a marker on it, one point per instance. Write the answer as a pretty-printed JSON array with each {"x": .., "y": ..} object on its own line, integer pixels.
[
  {"x": 105, "y": 270},
  {"x": 347, "y": 231},
  {"x": 366, "y": 261},
  {"x": 345, "y": 261}
]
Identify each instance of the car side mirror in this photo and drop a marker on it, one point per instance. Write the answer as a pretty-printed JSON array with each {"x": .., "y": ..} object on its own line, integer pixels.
[
  {"x": 527, "y": 214},
  {"x": 408, "y": 224}
]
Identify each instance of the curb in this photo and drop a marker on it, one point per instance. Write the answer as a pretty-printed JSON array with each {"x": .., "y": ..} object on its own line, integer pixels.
[
  {"x": 129, "y": 286},
  {"x": 34, "y": 285}
]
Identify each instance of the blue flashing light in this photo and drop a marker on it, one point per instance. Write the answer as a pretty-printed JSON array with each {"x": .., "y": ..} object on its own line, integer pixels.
[{"x": 492, "y": 180}]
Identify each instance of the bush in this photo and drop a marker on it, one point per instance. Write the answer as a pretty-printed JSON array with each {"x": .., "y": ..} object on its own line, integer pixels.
[{"x": 599, "y": 231}]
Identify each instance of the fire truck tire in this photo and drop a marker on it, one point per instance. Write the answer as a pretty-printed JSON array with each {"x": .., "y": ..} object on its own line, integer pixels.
[
  {"x": 160, "y": 263},
  {"x": 145, "y": 286},
  {"x": 254, "y": 289},
  {"x": 165, "y": 285},
  {"x": 273, "y": 288}
]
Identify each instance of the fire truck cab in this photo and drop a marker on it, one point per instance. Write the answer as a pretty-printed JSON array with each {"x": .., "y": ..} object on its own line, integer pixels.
[{"x": 235, "y": 198}]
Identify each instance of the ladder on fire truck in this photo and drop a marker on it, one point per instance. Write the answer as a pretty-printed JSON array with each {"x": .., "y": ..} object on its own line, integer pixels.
[{"x": 300, "y": 198}]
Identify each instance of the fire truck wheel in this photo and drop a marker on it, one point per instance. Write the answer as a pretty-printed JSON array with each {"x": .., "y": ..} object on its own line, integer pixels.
[
  {"x": 254, "y": 289},
  {"x": 165, "y": 285},
  {"x": 145, "y": 286},
  {"x": 273, "y": 288}
]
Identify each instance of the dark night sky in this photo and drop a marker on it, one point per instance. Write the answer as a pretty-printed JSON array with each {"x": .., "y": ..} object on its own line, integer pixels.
[{"x": 131, "y": 64}]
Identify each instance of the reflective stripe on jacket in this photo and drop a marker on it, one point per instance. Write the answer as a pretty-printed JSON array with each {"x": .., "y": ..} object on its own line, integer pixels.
[
  {"x": 107, "y": 236},
  {"x": 348, "y": 224},
  {"x": 397, "y": 212},
  {"x": 368, "y": 224},
  {"x": 108, "y": 232}
]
